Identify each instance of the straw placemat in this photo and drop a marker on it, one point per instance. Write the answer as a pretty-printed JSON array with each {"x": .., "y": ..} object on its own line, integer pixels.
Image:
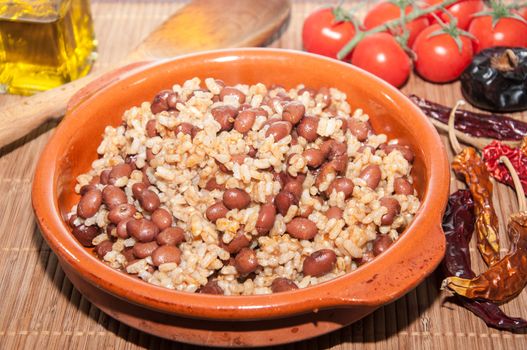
[{"x": 39, "y": 308}]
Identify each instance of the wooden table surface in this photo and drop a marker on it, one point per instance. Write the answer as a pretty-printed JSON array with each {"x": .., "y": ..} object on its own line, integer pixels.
[{"x": 39, "y": 308}]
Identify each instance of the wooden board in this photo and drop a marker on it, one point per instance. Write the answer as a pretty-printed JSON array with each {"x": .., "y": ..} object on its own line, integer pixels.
[{"x": 39, "y": 308}]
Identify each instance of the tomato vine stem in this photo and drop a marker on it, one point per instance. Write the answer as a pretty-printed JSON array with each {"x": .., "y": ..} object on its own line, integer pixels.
[{"x": 416, "y": 13}]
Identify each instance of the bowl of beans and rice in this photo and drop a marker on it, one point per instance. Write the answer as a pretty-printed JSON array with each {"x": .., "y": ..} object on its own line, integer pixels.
[{"x": 285, "y": 193}]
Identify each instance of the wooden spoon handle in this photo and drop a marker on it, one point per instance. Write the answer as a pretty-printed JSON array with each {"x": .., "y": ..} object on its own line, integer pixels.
[{"x": 20, "y": 117}]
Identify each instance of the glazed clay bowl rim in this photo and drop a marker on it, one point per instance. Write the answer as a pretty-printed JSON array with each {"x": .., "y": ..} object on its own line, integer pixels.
[{"x": 417, "y": 252}]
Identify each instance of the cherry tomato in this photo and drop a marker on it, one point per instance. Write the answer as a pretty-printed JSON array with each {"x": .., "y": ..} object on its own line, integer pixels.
[
  {"x": 386, "y": 11},
  {"x": 438, "y": 57},
  {"x": 323, "y": 35},
  {"x": 507, "y": 32},
  {"x": 523, "y": 12},
  {"x": 381, "y": 55},
  {"x": 462, "y": 10}
]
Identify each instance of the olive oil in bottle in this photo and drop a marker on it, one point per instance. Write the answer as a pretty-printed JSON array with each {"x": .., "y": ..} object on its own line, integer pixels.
[{"x": 44, "y": 43}]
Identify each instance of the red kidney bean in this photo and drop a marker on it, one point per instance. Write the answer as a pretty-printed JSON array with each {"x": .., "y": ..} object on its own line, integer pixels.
[
  {"x": 282, "y": 284},
  {"x": 149, "y": 201},
  {"x": 366, "y": 257},
  {"x": 213, "y": 185},
  {"x": 224, "y": 115},
  {"x": 151, "y": 129},
  {"x": 173, "y": 99},
  {"x": 222, "y": 167},
  {"x": 142, "y": 230},
  {"x": 119, "y": 171},
  {"x": 402, "y": 186},
  {"x": 393, "y": 207},
  {"x": 283, "y": 201},
  {"x": 216, "y": 211},
  {"x": 344, "y": 121},
  {"x": 149, "y": 155},
  {"x": 405, "y": 151},
  {"x": 231, "y": 91},
  {"x": 363, "y": 148},
  {"x": 105, "y": 176},
  {"x": 326, "y": 96},
  {"x": 110, "y": 228},
  {"x": 239, "y": 242},
  {"x": 336, "y": 153},
  {"x": 166, "y": 254},
  {"x": 159, "y": 104},
  {"x": 293, "y": 112},
  {"x": 245, "y": 121},
  {"x": 185, "y": 128},
  {"x": 324, "y": 171},
  {"x": 245, "y": 261},
  {"x": 314, "y": 157},
  {"x": 282, "y": 96},
  {"x": 113, "y": 196},
  {"x": 301, "y": 228},
  {"x": 295, "y": 188},
  {"x": 236, "y": 198},
  {"x": 103, "y": 248},
  {"x": 381, "y": 243},
  {"x": 310, "y": 91},
  {"x": 96, "y": 180},
  {"x": 121, "y": 212},
  {"x": 307, "y": 211},
  {"x": 371, "y": 175},
  {"x": 252, "y": 152},
  {"x": 279, "y": 130},
  {"x": 260, "y": 112},
  {"x": 266, "y": 218},
  {"x": 128, "y": 254},
  {"x": 341, "y": 184},
  {"x": 211, "y": 287},
  {"x": 244, "y": 107},
  {"x": 89, "y": 204},
  {"x": 308, "y": 128},
  {"x": 161, "y": 218},
  {"x": 138, "y": 188},
  {"x": 121, "y": 230},
  {"x": 85, "y": 234},
  {"x": 359, "y": 129},
  {"x": 142, "y": 250},
  {"x": 86, "y": 188},
  {"x": 270, "y": 122},
  {"x": 171, "y": 236},
  {"x": 334, "y": 213},
  {"x": 319, "y": 263}
]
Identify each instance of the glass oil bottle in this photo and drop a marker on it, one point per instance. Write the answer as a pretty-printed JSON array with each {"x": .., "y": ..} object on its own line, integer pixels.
[{"x": 44, "y": 43}]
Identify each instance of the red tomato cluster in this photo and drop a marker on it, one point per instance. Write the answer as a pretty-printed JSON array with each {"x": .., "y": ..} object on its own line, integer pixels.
[{"x": 438, "y": 57}]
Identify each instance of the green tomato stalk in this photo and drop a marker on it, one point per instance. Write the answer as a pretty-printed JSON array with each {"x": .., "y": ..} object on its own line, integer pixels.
[{"x": 399, "y": 22}]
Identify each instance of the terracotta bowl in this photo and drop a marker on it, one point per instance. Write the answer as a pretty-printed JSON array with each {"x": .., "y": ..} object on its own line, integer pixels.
[{"x": 242, "y": 320}]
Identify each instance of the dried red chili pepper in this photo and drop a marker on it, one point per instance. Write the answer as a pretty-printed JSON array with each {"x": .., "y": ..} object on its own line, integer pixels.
[
  {"x": 507, "y": 278},
  {"x": 491, "y": 155},
  {"x": 498, "y": 127},
  {"x": 468, "y": 164},
  {"x": 458, "y": 225}
]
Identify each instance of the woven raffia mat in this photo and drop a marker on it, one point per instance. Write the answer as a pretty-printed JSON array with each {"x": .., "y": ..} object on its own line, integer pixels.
[{"x": 39, "y": 308}]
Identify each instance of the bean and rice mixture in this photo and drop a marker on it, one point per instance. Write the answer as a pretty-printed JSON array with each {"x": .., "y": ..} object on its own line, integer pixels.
[{"x": 241, "y": 190}]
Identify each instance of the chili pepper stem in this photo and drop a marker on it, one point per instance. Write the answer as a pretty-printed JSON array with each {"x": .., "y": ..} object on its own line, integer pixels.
[
  {"x": 451, "y": 131},
  {"x": 522, "y": 205}
]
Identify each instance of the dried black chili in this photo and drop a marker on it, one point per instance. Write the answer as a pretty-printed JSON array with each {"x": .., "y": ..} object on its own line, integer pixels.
[
  {"x": 458, "y": 225},
  {"x": 493, "y": 126},
  {"x": 496, "y": 79}
]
